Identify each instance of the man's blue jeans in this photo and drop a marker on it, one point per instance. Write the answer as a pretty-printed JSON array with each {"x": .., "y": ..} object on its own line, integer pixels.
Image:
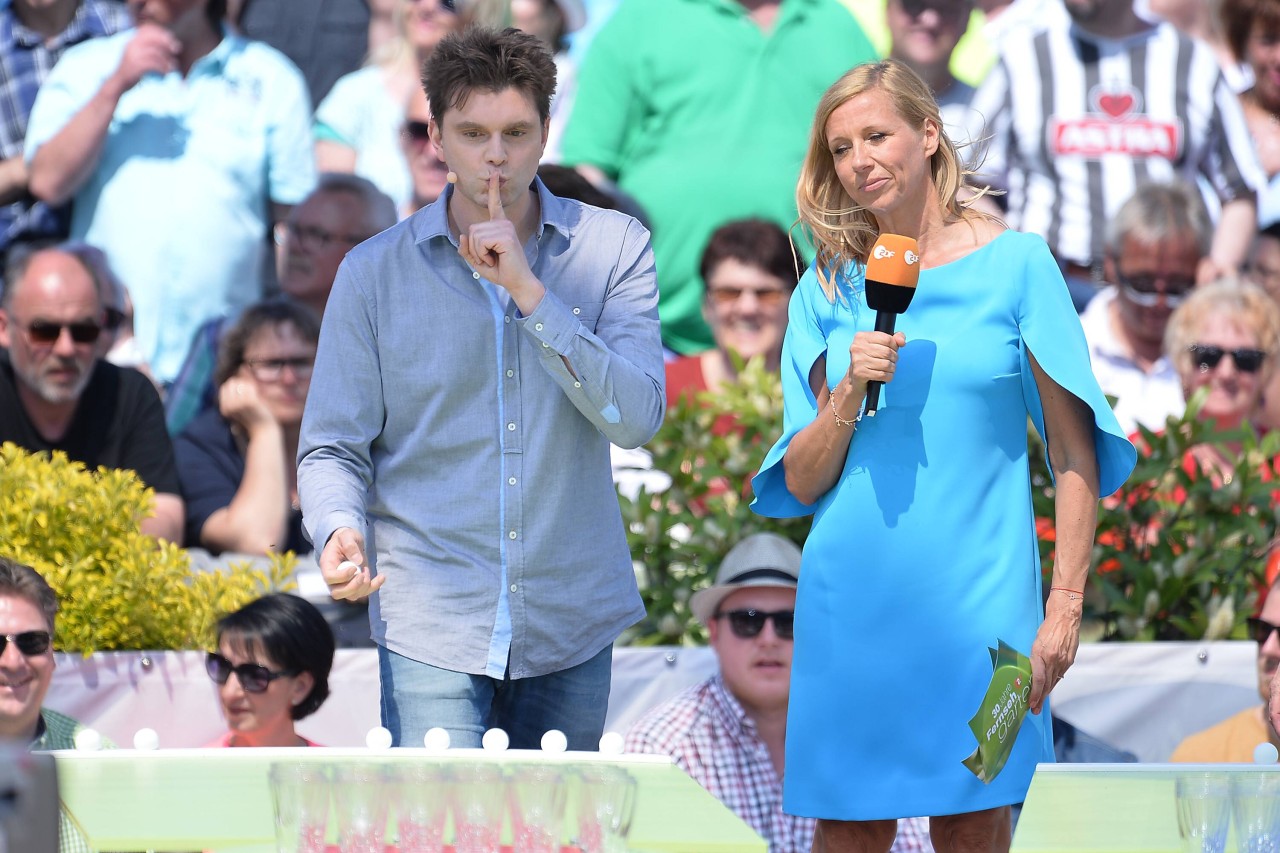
[{"x": 417, "y": 696}]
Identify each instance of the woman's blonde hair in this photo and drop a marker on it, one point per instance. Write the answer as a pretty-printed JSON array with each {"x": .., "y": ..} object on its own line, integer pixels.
[
  {"x": 1248, "y": 304},
  {"x": 840, "y": 230}
]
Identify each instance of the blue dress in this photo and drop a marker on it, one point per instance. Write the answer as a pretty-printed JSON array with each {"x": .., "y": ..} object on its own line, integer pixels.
[{"x": 923, "y": 554}]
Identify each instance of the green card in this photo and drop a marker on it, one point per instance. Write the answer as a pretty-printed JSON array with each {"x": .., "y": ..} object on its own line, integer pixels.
[{"x": 1000, "y": 715}]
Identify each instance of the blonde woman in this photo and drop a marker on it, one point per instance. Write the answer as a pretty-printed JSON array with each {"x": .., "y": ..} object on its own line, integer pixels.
[{"x": 923, "y": 554}]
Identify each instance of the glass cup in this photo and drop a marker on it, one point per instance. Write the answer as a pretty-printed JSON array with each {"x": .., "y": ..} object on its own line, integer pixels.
[
  {"x": 477, "y": 798},
  {"x": 360, "y": 806},
  {"x": 1204, "y": 811},
  {"x": 300, "y": 798},
  {"x": 420, "y": 796},
  {"x": 536, "y": 800},
  {"x": 606, "y": 801},
  {"x": 1255, "y": 802}
]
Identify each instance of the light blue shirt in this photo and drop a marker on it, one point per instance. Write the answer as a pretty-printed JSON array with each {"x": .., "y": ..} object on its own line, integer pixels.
[
  {"x": 445, "y": 426},
  {"x": 180, "y": 200}
]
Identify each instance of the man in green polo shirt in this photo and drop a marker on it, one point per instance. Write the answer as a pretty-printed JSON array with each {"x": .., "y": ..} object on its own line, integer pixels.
[{"x": 700, "y": 109}]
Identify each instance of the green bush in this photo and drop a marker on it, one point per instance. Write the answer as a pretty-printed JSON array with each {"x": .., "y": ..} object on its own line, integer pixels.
[{"x": 117, "y": 587}]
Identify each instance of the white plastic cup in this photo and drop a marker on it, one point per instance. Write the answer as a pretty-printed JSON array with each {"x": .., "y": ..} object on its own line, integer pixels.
[
  {"x": 1204, "y": 811},
  {"x": 300, "y": 798},
  {"x": 1255, "y": 803},
  {"x": 360, "y": 799},
  {"x": 477, "y": 800},
  {"x": 536, "y": 801},
  {"x": 605, "y": 805},
  {"x": 420, "y": 792}
]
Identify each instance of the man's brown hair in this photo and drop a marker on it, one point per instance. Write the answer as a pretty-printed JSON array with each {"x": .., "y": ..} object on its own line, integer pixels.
[
  {"x": 21, "y": 581},
  {"x": 482, "y": 59}
]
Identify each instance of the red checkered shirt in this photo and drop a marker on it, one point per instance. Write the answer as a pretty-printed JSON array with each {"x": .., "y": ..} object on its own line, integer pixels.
[{"x": 710, "y": 736}]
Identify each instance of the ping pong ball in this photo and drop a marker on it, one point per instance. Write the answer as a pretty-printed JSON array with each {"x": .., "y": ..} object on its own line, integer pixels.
[
  {"x": 146, "y": 738},
  {"x": 495, "y": 740},
  {"x": 378, "y": 738},
  {"x": 611, "y": 743},
  {"x": 1265, "y": 753},
  {"x": 88, "y": 740},
  {"x": 554, "y": 741},
  {"x": 347, "y": 564},
  {"x": 436, "y": 739}
]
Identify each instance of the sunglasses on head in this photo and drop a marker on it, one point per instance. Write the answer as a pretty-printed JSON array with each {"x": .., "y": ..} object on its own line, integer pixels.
[
  {"x": 30, "y": 643},
  {"x": 44, "y": 332},
  {"x": 1207, "y": 356},
  {"x": 749, "y": 623},
  {"x": 1260, "y": 629},
  {"x": 417, "y": 131},
  {"x": 253, "y": 677}
]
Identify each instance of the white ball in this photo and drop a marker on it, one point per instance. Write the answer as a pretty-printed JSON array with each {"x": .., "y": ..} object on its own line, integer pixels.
[
  {"x": 146, "y": 738},
  {"x": 554, "y": 741},
  {"x": 1265, "y": 753},
  {"x": 88, "y": 740},
  {"x": 378, "y": 738},
  {"x": 611, "y": 743},
  {"x": 347, "y": 566},
  {"x": 495, "y": 740},
  {"x": 436, "y": 739}
]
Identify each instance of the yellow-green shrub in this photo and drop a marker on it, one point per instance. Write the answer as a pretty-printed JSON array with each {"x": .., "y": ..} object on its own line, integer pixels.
[{"x": 117, "y": 587}]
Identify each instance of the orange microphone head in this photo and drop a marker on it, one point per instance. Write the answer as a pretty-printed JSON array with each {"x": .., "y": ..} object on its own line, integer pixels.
[{"x": 893, "y": 269}]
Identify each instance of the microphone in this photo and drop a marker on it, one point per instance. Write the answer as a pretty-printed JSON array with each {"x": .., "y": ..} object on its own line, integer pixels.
[{"x": 893, "y": 268}]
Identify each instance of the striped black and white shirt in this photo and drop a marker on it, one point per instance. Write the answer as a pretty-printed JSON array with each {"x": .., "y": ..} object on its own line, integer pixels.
[{"x": 1075, "y": 122}]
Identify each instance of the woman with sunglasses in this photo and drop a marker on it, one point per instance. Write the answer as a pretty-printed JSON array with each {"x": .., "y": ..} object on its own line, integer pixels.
[
  {"x": 1223, "y": 341},
  {"x": 272, "y": 669},
  {"x": 236, "y": 461},
  {"x": 922, "y": 556}
]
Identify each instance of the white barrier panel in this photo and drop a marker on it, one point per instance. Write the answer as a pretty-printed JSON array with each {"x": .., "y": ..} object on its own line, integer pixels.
[{"x": 1142, "y": 697}]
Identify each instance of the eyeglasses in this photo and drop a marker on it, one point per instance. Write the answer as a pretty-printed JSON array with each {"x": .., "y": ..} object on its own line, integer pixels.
[
  {"x": 1145, "y": 290},
  {"x": 729, "y": 295},
  {"x": 418, "y": 132},
  {"x": 46, "y": 333},
  {"x": 749, "y": 623},
  {"x": 271, "y": 369},
  {"x": 253, "y": 677},
  {"x": 944, "y": 8},
  {"x": 30, "y": 643},
  {"x": 1260, "y": 630},
  {"x": 1207, "y": 356},
  {"x": 311, "y": 238}
]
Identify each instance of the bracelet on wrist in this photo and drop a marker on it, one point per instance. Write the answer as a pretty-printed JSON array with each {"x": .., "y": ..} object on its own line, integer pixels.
[
  {"x": 1072, "y": 594},
  {"x": 844, "y": 422}
]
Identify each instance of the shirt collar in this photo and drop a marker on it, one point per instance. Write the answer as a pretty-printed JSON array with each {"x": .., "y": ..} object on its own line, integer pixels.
[
  {"x": 433, "y": 220},
  {"x": 729, "y": 709},
  {"x": 41, "y": 731},
  {"x": 76, "y": 29}
]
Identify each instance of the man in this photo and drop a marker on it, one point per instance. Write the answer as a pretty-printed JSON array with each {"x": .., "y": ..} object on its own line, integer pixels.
[
  {"x": 27, "y": 609},
  {"x": 728, "y": 732},
  {"x": 1094, "y": 107},
  {"x": 1234, "y": 739},
  {"x": 427, "y": 174},
  {"x": 58, "y": 393},
  {"x": 340, "y": 212},
  {"x": 475, "y": 362},
  {"x": 700, "y": 109},
  {"x": 924, "y": 35},
  {"x": 1264, "y": 260},
  {"x": 33, "y": 36},
  {"x": 1154, "y": 247},
  {"x": 180, "y": 143}
]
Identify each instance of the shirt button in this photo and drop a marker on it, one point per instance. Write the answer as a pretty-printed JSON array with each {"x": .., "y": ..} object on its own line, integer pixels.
[
  {"x": 577, "y": 310},
  {"x": 511, "y": 481},
  {"x": 475, "y": 275},
  {"x": 511, "y": 427},
  {"x": 511, "y": 373},
  {"x": 513, "y": 587},
  {"x": 507, "y": 318},
  {"x": 577, "y": 385},
  {"x": 546, "y": 345},
  {"x": 511, "y": 535},
  {"x": 537, "y": 327}
]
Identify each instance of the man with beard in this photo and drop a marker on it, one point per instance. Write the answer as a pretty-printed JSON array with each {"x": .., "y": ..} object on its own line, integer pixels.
[
  {"x": 1098, "y": 104},
  {"x": 58, "y": 393}
]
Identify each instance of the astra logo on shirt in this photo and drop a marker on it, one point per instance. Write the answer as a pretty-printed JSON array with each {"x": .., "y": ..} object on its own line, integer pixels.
[{"x": 1115, "y": 127}]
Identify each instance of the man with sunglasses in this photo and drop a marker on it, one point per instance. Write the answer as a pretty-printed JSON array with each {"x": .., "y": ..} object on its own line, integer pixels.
[
  {"x": 27, "y": 608},
  {"x": 1235, "y": 738},
  {"x": 728, "y": 732},
  {"x": 1154, "y": 248},
  {"x": 57, "y": 392}
]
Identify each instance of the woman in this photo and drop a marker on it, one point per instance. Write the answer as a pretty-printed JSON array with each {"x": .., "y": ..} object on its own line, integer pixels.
[
  {"x": 272, "y": 669},
  {"x": 1253, "y": 35},
  {"x": 358, "y": 124},
  {"x": 1224, "y": 339},
  {"x": 922, "y": 553},
  {"x": 749, "y": 269},
  {"x": 235, "y": 462}
]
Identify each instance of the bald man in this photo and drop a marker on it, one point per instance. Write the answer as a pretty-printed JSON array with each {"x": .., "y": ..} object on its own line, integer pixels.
[{"x": 57, "y": 392}]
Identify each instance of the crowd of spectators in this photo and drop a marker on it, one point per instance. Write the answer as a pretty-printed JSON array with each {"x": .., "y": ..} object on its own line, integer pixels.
[{"x": 179, "y": 182}]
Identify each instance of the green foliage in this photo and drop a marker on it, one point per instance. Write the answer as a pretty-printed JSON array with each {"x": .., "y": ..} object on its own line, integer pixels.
[
  {"x": 117, "y": 587},
  {"x": 1180, "y": 551},
  {"x": 679, "y": 536}
]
